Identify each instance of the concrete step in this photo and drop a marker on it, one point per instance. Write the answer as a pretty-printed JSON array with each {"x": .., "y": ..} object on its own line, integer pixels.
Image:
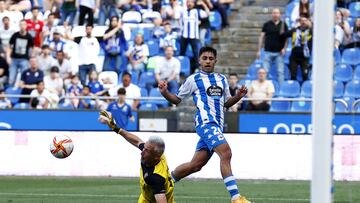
[{"x": 236, "y": 47}]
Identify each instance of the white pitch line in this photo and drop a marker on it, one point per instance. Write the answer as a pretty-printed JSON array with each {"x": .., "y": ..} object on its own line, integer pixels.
[{"x": 136, "y": 196}]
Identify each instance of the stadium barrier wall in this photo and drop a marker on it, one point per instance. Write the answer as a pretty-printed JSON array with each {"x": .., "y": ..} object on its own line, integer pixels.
[{"x": 255, "y": 156}]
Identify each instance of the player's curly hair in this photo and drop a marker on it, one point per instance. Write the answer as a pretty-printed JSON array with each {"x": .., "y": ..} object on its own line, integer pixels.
[{"x": 207, "y": 49}]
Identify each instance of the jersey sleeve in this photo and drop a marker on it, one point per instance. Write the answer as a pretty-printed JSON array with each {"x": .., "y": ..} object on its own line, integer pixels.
[
  {"x": 226, "y": 89},
  {"x": 187, "y": 88},
  {"x": 157, "y": 184}
]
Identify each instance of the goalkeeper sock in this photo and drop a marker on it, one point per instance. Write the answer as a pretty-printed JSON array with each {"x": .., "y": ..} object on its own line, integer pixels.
[
  {"x": 230, "y": 183},
  {"x": 175, "y": 179}
]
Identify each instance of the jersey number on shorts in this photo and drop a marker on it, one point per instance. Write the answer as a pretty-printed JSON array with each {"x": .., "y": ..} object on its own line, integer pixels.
[{"x": 217, "y": 133}]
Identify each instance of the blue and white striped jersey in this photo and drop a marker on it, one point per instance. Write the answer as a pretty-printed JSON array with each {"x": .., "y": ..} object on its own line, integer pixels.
[
  {"x": 191, "y": 21},
  {"x": 210, "y": 91}
]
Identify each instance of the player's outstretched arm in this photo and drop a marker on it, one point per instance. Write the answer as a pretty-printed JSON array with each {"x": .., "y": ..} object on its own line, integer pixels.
[
  {"x": 166, "y": 94},
  {"x": 235, "y": 99},
  {"x": 106, "y": 118}
]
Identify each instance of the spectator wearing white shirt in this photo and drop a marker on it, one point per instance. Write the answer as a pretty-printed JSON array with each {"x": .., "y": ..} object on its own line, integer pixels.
[
  {"x": 172, "y": 13},
  {"x": 168, "y": 69},
  {"x": 42, "y": 95},
  {"x": 53, "y": 82},
  {"x": 260, "y": 89},
  {"x": 45, "y": 60},
  {"x": 190, "y": 30},
  {"x": 6, "y": 32},
  {"x": 64, "y": 65},
  {"x": 138, "y": 54},
  {"x": 132, "y": 90},
  {"x": 89, "y": 49},
  {"x": 3, "y": 11}
]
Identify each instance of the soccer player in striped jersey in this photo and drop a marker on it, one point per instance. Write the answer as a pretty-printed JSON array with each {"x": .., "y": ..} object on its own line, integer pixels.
[{"x": 211, "y": 95}]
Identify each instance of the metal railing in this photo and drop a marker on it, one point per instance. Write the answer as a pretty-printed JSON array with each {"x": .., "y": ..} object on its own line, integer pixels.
[{"x": 342, "y": 101}]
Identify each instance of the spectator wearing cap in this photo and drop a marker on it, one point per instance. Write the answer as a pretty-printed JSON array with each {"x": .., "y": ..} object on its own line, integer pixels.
[
  {"x": 138, "y": 55},
  {"x": 107, "y": 10},
  {"x": 120, "y": 110},
  {"x": 53, "y": 82},
  {"x": 56, "y": 43},
  {"x": 132, "y": 90},
  {"x": 6, "y": 32},
  {"x": 115, "y": 46},
  {"x": 35, "y": 26},
  {"x": 87, "y": 8},
  {"x": 21, "y": 44},
  {"x": 89, "y": 49},
  {"x": 45, "y": 60},
  {"x": 260, "y": 89},
  {"x": 68, "y": 11},
  {"x": 29, "y": 79},
  {"x": 168, "y": 69}
]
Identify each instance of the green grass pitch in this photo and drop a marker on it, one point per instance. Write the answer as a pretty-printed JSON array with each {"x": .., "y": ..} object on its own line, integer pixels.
[{"x": 126, "y": 190}]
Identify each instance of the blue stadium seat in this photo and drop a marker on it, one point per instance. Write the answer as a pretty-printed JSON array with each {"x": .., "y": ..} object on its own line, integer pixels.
[
  {"x": 351, "y": 56},
  {"x": 343, "y": 73},
  {"x": 354, "y": 9},
  {"x": 148, "y": 107},
  {"x": 245, "y": 82},
  {"x": 349, "y": 101},
  {"x": 280, "y": 106},
  {"x": 147, "y": 80},
  {"x": 184, "y": 65},
  {"x": 215, "y": 20},
  {"x": 301, "y": 106},
  {"x": 189, "y": 53},
  {"x": 154, "y": 48},
  {"x": 134, "y": 77},
  {"x": 357, "y": 73},
  {"x": 276, "y": 87},
  {"x": 13, "y": 90},
  {"x": 340, "y": 107},
  {"x": 146, "y": 32},
  {"x": 143, "y": 93},
  {"x": 337, "y": 56},
  {"x": 65, "y": 106},
  {"x": 306, "y": 89},
  {"x": 338, "y": 89},
  {"x": 352, "y": 89},
  {"x": 154, "y": 92},
  {"x": 252, "y": 72},
  {"x": 21, "y": 106},
  {"x": 208, "y": 37},
  {"x": 289, "y": 88}
]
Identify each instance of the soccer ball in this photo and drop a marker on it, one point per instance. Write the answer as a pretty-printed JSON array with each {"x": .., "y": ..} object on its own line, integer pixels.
[{"x": 61, "y": 146}]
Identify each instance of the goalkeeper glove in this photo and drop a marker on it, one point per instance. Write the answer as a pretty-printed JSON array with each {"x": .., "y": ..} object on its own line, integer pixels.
[{"x": 106, "y": 118}]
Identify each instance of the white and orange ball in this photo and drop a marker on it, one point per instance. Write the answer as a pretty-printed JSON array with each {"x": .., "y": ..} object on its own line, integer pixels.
[{"x": 61, "y": 146}]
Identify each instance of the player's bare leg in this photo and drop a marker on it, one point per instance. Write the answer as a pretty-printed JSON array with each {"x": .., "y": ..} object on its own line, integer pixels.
[
  {"x": 224, "y": 152},
  {"x": 199, "y": 160}
]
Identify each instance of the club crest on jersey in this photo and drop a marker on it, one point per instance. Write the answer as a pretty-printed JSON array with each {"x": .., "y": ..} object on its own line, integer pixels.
[{"x": 214, "y": 91}]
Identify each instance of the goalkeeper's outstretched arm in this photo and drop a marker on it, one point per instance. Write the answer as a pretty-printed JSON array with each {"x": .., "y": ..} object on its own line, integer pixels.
[{"x": 106, "y": 118}]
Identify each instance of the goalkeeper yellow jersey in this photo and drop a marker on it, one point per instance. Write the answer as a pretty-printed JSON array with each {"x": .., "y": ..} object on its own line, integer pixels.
[{"x": 155, "y": 180}]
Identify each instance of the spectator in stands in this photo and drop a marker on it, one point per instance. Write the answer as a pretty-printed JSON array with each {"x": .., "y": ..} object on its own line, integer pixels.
[
  {"x": 4, "y": 101},
  {"x": 260, "y": 89},
  {"x": 190, "y": 33},
  {"x": 342, "y": 30},
  {"x": 53, "y": 82},
  {"x": 56, "y": 43},
  {"x": 172, "y": 13},
  {"x": 49, "y": 28},
  {"x": 89, "y": 50},
  {"x": 221, "y": 6},
  {"x": 158, "y": 30},
  {"x": 85, "y": 103},
  {"x": 74, "y": 90},
  {"x": 42, "y": 95},
  {"x": 169, "y": 38},
  {"x": 204, "y": 22},
  {"x": 120, "y": 110},
  {"x": 132, "y": 90},
  {"x": 274, "y": 43},
  {"x": 20, "y": 49},
  {"x": 168, "y": 69},
  {"x": 115, "y": 46},
  {"x": 4, "y": 72},
  {"x": 87, "y": 7},
  {"x": 35, "y": 26},
  {"x": 29, "y": 79},
  {"x": 355, "y": 36},
  {"x": 103, "y": 104},
  {"x": 64, "y": 65},
  {"x": 107, "y": 10},
  {"x": 20, "y": 5},
  {"x": 45, "y": 60},
  {"x": 138, "y": 54},
  {"x": 233, "y": 87},
  {"x": 68, "y": 12},
  {"x": 3, "y": 11},
  {"x": 303, "y": 8},
  {"x": 6, "y": 32},
  {"x": 95, "y": 86},
  {"x": 139, "y": 4},
  {"x": 301, "y": 38}
]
